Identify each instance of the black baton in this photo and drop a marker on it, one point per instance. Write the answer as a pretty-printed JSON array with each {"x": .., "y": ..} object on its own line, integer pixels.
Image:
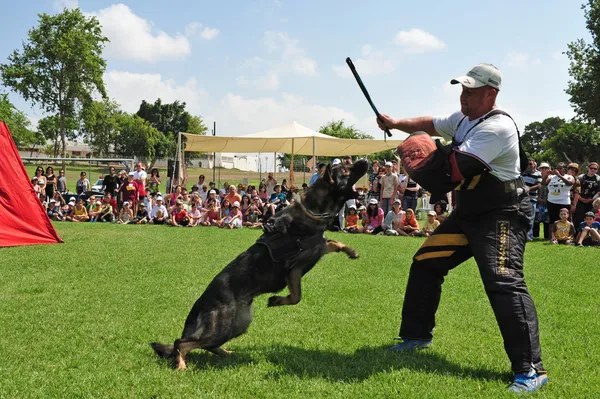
[{"x": 365, "y": 92}]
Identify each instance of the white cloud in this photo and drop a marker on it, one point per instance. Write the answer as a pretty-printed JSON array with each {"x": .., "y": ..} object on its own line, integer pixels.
[
  {"x": 196, "y": 29},
  {"x": 60, "y": 5},
  {"x": 129, "y": 89},
  {"x": 290, "y": 55},
  {"x": 270, "y": 81},
  {"x": 418, "y": 41},
  {"x": 374, "y": 63},
  {"x": 519, "y": 59},
  {"x": 238, "y": 115},
  {"x": 132, "y": 37}
]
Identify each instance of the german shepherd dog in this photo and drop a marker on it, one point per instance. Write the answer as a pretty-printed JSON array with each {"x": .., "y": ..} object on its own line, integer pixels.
[{"x": 291, "y": 245}]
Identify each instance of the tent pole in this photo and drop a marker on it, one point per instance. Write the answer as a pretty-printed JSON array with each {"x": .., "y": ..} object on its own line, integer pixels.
[
  {"x": 274, "y": 165},
  {"x": 292, "y": 180},
  {"x": 315, "y": 163},
  {"x": 178, "y": 160}
]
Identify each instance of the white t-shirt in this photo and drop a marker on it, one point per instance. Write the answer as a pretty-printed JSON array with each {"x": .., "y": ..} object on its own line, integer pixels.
[
  {"x": 157, "y": 208},
  {"x": 388, "y": 182},
  {"x": 558, "y": 190},
  {"x": 494, "y": 141},
  {"x": 141, "y": 175}
]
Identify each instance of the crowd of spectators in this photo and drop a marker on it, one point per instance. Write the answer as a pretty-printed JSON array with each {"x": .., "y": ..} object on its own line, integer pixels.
[{"x": 565, "y": 203}]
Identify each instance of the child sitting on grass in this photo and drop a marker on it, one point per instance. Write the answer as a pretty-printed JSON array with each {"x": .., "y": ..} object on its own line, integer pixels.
[
  {"x": 179, "y": 217},
  {"x": 195, "y": 215},
  {"x": 563, "y": 231},
  {"x": 94, "y": 211},
  {"x": 431, "y": 224},
  {"x": 211, "y": 217},
  {"x": 351, "y": 225},
  {"x": 126, "y": 214},
  {"x": 141, "y": 217},
  {"x": 106, "y": 212},
  {"x": 253, "y": 214},
  {"x": 80, "y": 213},
  {"x": 159, "y": 217},
  {"x": 588, "y": 231},
  {"x": 234, "y": 219},
  {"x": 409, "y": 224}
]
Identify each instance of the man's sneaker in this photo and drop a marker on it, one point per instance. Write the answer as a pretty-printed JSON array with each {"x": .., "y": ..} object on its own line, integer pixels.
[
  {"x": 409, "y": 345},
  {"x": 528, "y": 382}
]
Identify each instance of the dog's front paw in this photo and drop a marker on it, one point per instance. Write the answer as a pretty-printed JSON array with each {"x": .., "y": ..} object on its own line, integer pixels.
[
  {"x": 275, "y": 301},
  {"x": 353, "y": 254}
]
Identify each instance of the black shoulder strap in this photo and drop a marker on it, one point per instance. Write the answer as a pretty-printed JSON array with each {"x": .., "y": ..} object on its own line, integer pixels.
[{"x": 523, "y": 157}]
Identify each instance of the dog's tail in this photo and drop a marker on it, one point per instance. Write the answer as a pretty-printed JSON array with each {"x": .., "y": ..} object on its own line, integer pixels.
[{"x": 162, "y": 350}]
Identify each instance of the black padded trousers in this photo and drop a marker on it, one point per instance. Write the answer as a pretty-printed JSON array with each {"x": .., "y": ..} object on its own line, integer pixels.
[{"x": 497, "y": 241}]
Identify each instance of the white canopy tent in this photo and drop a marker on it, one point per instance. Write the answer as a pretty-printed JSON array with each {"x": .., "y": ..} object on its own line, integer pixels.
[{"x": 292, "y": 138}]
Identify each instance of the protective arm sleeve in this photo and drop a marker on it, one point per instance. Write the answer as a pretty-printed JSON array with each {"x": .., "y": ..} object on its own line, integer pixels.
[{"x": 464, "y": 165}]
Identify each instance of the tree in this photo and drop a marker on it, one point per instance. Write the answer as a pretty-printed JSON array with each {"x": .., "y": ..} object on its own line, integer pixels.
[
  {"x": 578, "y": 141},
  {"x": 18, "y": 123},
  {"x": 537, "y": 132},
  {"x": 170, "y": 119},
  {"x": 584, "y": 68},
  {"x": 136, "y": 137},
  {"x": 340, "y": 130},
  {"x": 49, "y": 129},
  {"x": 100, "y": 125},
  {"x": 61, "y": 65}
]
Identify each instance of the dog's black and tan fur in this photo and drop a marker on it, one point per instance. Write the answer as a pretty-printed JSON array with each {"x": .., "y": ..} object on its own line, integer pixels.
[{"x": 292, "y": 244}]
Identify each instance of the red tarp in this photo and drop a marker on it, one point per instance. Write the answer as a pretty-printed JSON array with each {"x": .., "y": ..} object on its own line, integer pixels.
[{"x": 23, "y": 219}]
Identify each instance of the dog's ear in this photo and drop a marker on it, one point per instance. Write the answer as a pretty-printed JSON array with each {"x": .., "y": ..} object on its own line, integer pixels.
[{"x": 327, "y": 176}]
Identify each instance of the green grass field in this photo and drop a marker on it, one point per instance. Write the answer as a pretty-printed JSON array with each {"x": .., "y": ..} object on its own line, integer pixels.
[{"x": 76, "y": 320}]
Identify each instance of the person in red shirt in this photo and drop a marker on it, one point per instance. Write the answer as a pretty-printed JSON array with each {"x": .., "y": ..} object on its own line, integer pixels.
[
  {"x": 409, "y": 224},
  {"x": 179, "y": 217},
  {"x": 130, "y": 192},
  {"x": 113, "y": 203}
]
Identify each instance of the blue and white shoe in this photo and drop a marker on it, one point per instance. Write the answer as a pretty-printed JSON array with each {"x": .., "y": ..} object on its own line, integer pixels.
[
  {"x": 528, "y": 382},
  {"x": 411, "y": 345}
]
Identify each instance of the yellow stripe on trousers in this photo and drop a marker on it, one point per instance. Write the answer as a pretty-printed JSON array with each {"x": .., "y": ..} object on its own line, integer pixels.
[
  {"x": 440, "y": 240},
  {"x": 436, "y": 254}
]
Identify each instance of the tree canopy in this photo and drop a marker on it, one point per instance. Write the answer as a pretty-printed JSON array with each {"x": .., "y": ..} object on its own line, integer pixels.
[
  {"x": 584, "y": 89},
  {"x": 60, "y": 66},
  {"x": 18, "y": 124}
]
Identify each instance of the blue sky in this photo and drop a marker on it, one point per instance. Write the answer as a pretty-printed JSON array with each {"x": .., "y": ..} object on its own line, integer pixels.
[{"x": 253, "y": 65}]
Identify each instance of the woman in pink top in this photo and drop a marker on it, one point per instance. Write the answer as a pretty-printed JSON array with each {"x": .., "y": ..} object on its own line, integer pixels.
[{"x": 375, "y": 217}]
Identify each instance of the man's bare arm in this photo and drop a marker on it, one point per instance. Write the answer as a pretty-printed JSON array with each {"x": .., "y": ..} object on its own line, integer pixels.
[{"x": 410, "y": 125}]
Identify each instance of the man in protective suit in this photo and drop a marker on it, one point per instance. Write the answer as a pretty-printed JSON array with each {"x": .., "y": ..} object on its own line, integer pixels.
[{"x": 490, "y": 222}]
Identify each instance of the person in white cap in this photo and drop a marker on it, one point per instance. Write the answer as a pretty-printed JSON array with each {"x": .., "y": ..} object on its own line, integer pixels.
[
  {"x": 159, "y": 210},
  {"x": 490, "y": 222},
  {"x": 125, "y": 214},
  {"x": 389, "y": 188},
  {"x": 53, "y": 211},
  {"x": 336, "y": 162}
]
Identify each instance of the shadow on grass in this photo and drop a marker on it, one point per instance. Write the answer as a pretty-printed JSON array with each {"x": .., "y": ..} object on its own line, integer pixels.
[
  {"x": 201, "y": 360},
  {"x": 368, "y": 361}
]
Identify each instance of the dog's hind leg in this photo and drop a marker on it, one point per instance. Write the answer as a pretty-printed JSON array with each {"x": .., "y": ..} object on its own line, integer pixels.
[
  {"x": 181, "y": 348},
  {"x": 294, "y": 285},
  {"x": 336, "y": 246},
  {"x": 219, "y": 351}
]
